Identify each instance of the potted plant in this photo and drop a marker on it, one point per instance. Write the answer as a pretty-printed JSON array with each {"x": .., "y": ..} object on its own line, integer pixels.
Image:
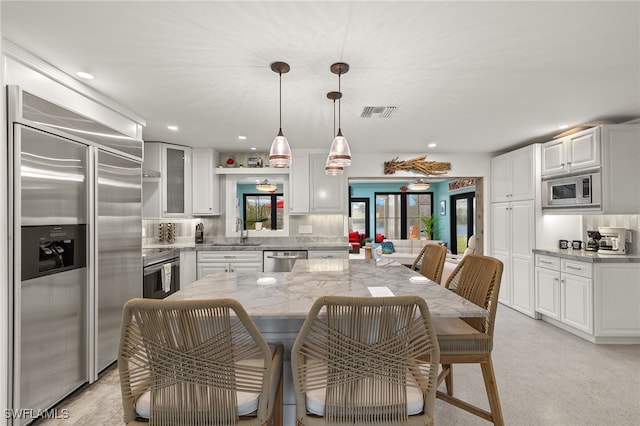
[
  {"x": 368, "y": 241},
  {"x": 430, "y": 225}
]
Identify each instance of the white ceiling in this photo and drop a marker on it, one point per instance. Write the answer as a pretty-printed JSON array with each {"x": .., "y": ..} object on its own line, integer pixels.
[{"x": 469, "y": 76}]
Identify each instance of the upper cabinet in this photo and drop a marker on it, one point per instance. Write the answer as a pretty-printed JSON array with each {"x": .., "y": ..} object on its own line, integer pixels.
[
  {"x": 621, "y": 169},
  {"x": 206, "y": 183},
  {"x": 514, "y": 175},
  {"x": 168, "y": 196},
  {"x": 312, "y": 190},
  {"x": 575, "y": 152}
]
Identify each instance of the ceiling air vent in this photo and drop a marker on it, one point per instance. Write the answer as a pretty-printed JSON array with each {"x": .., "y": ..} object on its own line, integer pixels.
[{"x": 378, "y": 111}]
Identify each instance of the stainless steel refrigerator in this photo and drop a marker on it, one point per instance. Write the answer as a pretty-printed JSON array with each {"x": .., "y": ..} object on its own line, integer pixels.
[{"x": 77, "y": 251}]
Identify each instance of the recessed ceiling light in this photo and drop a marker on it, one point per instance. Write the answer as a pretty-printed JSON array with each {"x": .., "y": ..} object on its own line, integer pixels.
[
  {"x": 174, "y": 128},
  {"x": 253, "y": 148},
  {"x": 85, "y": 75},
  {"x": 563, "y": 126},
  {"x": 432, "y": 145},
  {"x": 242, "y": 138}
]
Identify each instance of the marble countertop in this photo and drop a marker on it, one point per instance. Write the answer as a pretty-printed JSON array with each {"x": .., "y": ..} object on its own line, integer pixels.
[
  {"x": 263, "y": 246},
  {"x": 290, "y": 295},
  {"x": 589, "y": 256}
]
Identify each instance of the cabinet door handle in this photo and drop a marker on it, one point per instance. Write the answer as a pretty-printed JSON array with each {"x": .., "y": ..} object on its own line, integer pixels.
[
  {"x": 555, "y": 280},
  {"x": 574, "y": 268},
  {"x": 562, "y": 281},
  {"x": 546, "y": 262},
  {"x": 229, "y": 257}
]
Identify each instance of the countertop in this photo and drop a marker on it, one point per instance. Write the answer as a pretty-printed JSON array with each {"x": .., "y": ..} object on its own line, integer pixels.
[
  {"x": 290, "y": 295},
  {"x": 263, "y": 246},
  {"x": 589, "y": 256}
]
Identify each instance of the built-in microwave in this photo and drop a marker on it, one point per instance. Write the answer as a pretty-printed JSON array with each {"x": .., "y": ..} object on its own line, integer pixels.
[{"x": 581, "y": 191}]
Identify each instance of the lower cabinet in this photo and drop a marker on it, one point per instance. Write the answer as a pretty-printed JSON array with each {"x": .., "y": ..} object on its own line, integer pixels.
[
  {"x": 564, "y": 291},
  {"x": 597, "y": 301},
  {"x": 187, "y": 266},
  {"x": 228, "y": 261},
  {"x": 328, "y": 254}
]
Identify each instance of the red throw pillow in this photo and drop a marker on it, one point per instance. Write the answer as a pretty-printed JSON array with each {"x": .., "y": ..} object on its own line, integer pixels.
[{"x": 379, "y": 238}]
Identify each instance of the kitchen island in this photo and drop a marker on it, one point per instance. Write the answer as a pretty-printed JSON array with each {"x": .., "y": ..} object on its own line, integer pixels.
[{"x": 278, "y": 302}]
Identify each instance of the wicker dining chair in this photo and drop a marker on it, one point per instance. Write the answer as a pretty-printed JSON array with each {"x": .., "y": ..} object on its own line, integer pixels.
[
  {"x": 470, "y": 340},
  {"x": 197, "y": 362},
  {"x": 366, "y": 361},
  {"x": 430, "y": 261}
]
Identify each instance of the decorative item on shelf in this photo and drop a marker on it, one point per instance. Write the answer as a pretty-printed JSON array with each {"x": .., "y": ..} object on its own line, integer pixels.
[
  {"x": 461, "y": 183},
  {"x": 280, "y": 153},
  {"x": 231, "y": 162},
  {"x": 266, "y": 186},
  {"x": 254, "y": 162},
  {"x": 419, "y": 185},
  {"x": 332, "y": 168},
  {"x": 418, "y": 164},
  {"x": 340, "y": 153},
  {"x": 403, "y": 188}
]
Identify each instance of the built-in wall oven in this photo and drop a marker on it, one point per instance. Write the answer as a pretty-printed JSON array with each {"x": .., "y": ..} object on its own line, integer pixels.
[{"x": 161, "y": 272}]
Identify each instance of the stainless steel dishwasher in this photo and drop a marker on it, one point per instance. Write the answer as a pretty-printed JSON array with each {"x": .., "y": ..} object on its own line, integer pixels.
[{"x": 281, "y": 261}]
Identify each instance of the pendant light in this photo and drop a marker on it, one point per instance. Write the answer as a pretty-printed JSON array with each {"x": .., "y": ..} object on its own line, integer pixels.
[
  {"x": 331, "y": 168},
  {"x": 280, "y": 153},
  {"x": 418, "y": 185},
  {"x": 266, "y": 186},
  {"x": 340, "y": 153}
]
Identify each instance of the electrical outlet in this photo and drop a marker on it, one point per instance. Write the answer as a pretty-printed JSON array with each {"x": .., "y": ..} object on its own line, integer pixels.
[{"x": 304, "y": 229}]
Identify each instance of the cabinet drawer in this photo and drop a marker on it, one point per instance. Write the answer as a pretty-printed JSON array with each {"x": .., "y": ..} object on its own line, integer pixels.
[
  {"x": 573, "y": 267},
  {"x": 328, "y": 254},
  {"x": 548, "y": 262},
  {"x": 229, "y": 256}
]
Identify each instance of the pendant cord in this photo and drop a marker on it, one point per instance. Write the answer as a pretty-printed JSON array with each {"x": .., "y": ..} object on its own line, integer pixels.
[
  {"x": 334, "y": 118},
  {"x": 339, "y": 103},
  {"x": 280, "y": 100}
]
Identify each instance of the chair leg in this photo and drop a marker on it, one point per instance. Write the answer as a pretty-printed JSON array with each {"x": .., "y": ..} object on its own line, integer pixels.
[
  {"x": 492, "y": 392},
  {"x": 277, "y": 412},
  {"x": 448, "y": 380}
]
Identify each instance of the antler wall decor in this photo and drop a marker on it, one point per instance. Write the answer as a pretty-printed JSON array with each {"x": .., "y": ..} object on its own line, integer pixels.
[{"x": 418, "y": 164}]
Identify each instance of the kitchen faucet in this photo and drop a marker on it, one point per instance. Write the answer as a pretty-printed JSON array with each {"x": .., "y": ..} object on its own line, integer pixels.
[{"x": 244, "y": 233}]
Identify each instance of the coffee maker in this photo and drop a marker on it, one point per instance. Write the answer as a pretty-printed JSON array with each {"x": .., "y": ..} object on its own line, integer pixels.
[
  {"x": 613, "y": 240},
  {"x": 593, "y": 244}
]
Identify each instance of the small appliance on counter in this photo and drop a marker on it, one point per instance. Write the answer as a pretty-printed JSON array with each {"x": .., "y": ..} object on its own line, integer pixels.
[
  {"x": 593, "y": 243},
  {"x": 613, "y": 240},
  {"x": 200, "y": 233},
  {"x": 564, "y": 244}
]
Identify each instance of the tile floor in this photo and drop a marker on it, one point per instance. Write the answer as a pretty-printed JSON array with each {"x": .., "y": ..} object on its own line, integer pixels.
[{"x": 545, "y": 376}]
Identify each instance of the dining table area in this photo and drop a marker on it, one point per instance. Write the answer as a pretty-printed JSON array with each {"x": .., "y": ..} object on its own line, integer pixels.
[{"x": 278, "y": 302}]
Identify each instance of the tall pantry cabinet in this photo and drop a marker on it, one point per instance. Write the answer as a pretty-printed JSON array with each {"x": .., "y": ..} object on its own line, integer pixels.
[{"x": 515, "y": 186}]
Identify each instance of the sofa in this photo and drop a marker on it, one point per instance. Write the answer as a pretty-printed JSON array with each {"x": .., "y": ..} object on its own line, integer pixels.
[{"x": 405, "y": 251}]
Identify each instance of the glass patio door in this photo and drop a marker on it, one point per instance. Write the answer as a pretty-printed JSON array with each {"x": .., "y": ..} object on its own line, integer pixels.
[{"x": 462, "y": 226}]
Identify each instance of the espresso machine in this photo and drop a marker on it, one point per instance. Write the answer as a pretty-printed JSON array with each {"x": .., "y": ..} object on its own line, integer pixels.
[{"x": 612, "y": 241}]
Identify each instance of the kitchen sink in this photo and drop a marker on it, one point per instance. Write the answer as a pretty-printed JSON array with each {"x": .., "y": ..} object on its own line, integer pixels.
[{"x": 235, "y": 244}]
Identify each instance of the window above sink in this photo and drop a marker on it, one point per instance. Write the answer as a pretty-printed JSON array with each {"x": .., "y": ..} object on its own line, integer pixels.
[{"x": 241, "y": 202}]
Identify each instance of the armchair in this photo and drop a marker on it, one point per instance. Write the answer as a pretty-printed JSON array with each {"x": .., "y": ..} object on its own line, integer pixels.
[{"x": 356, "y": 240}]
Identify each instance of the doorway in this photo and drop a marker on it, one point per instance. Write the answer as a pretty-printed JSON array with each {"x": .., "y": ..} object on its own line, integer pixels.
[
  {"x": 359, "y": 215},
  {"x": 463, "y": 208}
]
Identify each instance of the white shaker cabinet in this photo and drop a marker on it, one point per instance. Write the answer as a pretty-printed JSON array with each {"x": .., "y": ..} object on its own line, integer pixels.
[
  {"x": 513, "y": 175},
  {"x": 312, "y": 190},
  {"x": 187, "y": 266},
  {"x": 206, "y": 183},
  {"x": 168, "y": 196},
  {"x": 328, "y": 254},
  {"x": 228, "y": 261},
  {"x": 564, "y": 292},
  {"x": 513, "y": 226},
  {"x": 575, "y": 152}
]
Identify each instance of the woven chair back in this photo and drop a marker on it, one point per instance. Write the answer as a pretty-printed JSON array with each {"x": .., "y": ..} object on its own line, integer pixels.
[
  {"x": 477, "y": 278},
  {"x": 433, "y": 257},
  {"x": 193, "y": 356},
  {"x": 362, "y": 351}
]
